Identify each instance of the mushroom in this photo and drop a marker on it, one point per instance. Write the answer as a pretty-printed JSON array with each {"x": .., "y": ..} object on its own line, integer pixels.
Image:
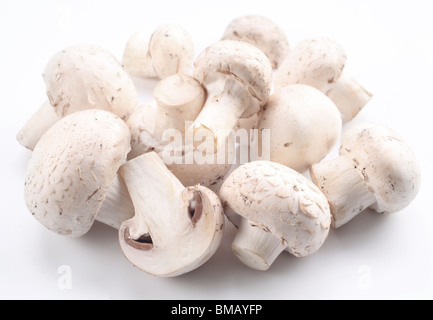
[
  {"x": 80, "y": 78},
  {"x": 72, "y": 177},
  {"x": 178, "y": 100},
  {"x": 262, "y": 33},
  {"x": 238, "y": 80},
  {"x": 315, "y": 62},
  {"x": 169, "y": 51},
  {"x": 376, "y": 169},
  {"x": 349, "y": 96},
  {"x": 280, "y": 210},
  {"x": 175, "y": 229},
  {"x": 304, "y": 125}
]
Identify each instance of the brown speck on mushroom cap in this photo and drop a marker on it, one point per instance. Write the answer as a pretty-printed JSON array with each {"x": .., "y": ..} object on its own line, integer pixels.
[{"x": 72, "y": 168}]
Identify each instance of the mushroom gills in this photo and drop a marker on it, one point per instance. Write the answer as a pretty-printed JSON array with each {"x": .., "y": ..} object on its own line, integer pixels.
[
  {"x": 143, "y": 243},
  {"x": 195, "y": 208}
]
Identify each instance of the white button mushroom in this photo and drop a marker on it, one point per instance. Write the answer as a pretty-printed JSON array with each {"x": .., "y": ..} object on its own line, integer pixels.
[
  {"x": 238, "y": 80},
  {"x": 376, "y": 169},
  {"x": 169, "y": 51},
  {"x": 73, "y": 169},
  {"x": 80, "y": 78},
  {"x": 178, "y": 100},
  {"x": 305, "y": 125},
  {"x": 175, "y": 229},
  {"x": 315, "y": 62},
  {"x": 280, "y": 210},
  {"x": 349, "y": 97},
  {"x": 262, "y": 33}
]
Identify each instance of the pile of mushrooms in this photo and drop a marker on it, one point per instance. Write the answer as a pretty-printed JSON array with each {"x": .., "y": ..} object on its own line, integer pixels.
[{"x": 162, "y": 173}]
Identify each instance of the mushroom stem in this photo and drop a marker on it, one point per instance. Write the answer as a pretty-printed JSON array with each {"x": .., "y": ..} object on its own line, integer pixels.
[
  {"x": 136, "y": 57},
  {"x": 344, "y": 184},
  {"x": 117, "y": 206},
  {"x": 349, "y": 97},
  {"x": 172, "y": 118},
  {"x": 227, "y": 101},
  {"x": 156, "y": 195},
  {"x": 256, "y": 247},
  {"x": 37, "y": 125},
  {"x": 179, "y": 99}
]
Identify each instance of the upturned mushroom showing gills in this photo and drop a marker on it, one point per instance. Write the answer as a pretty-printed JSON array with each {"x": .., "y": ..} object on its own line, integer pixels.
[
  {"x": 175, "y": 229},
  {"x": 376, "y": 169},
  {"x": 72, "y": 176},
  {"x": 80, "y": 78},
  {"x": 238, "y": 80},
  {"x": 280, "y": 210}
]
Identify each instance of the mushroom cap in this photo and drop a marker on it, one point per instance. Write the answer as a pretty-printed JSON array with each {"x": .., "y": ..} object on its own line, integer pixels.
[
  {"x": 305, "y": 125},
  {"x": 387, "y": 163},
  {"x": 72, "y": 168},
  {"x": 172, "y": 50},
  {"x": 281, "y": 201},
  {"x": 89, "y": 77},
  {"x": 242, "y": 61},
  {"x": 262, "y": 33},
  {"x": 316, "y": 62},
  {"x": 179, "y": 90}
]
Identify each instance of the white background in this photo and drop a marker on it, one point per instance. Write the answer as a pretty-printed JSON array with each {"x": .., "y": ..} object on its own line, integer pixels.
[{"x": 390, "y": 49}]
